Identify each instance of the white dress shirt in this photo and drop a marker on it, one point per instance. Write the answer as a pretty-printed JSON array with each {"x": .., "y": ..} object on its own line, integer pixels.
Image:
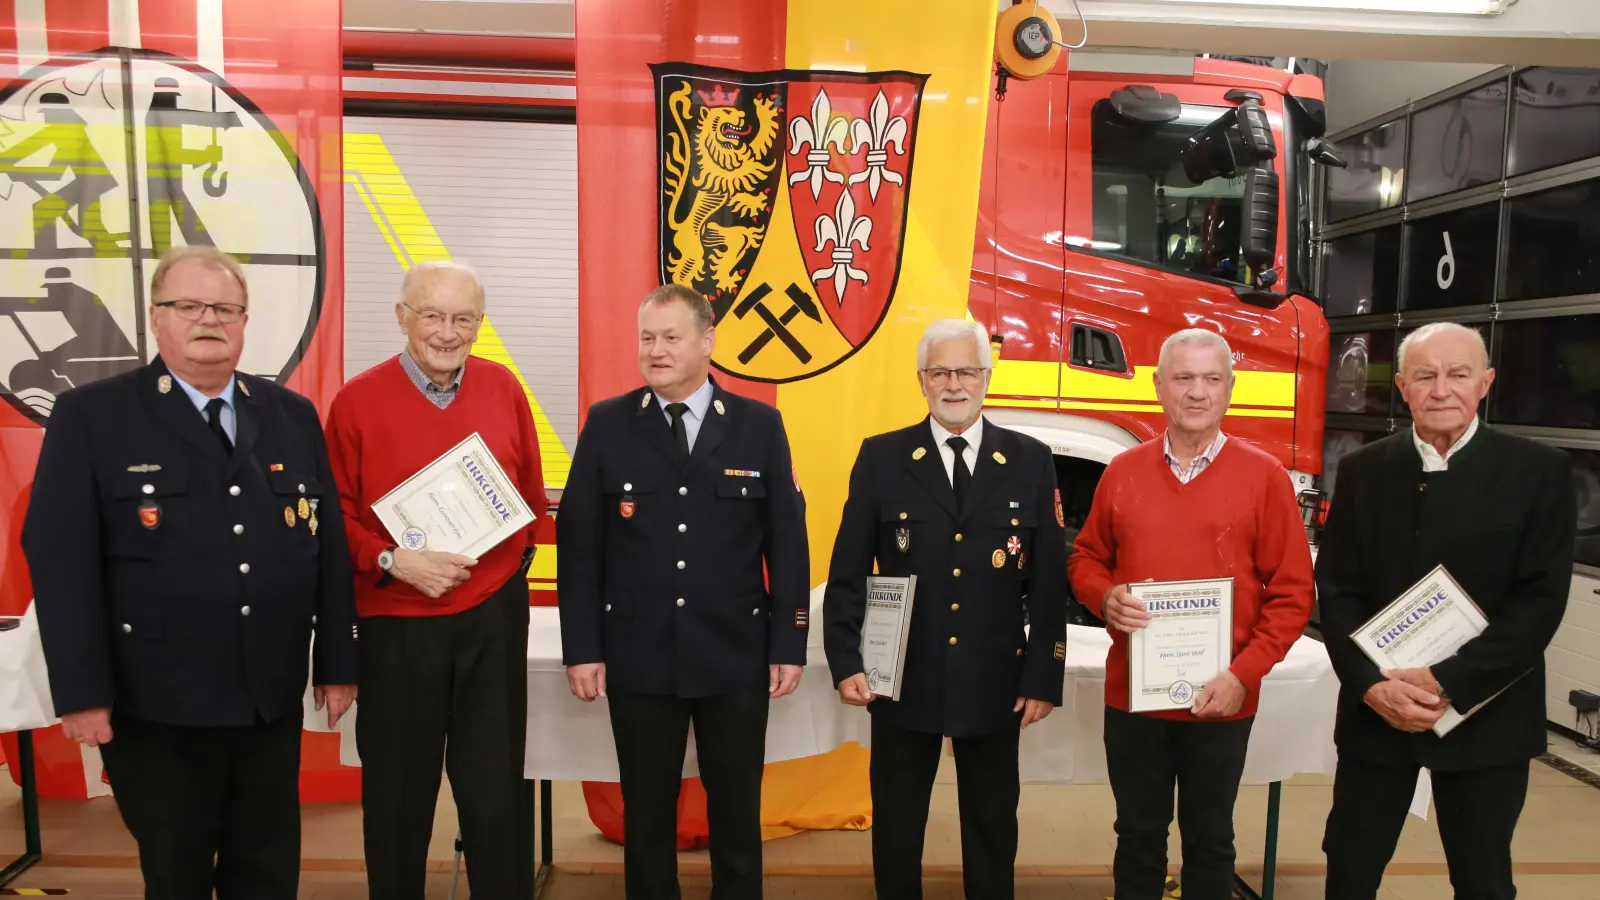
[
  {"x": 1431, "y": 460},
  {"x": 698, "y": 402},
  {"x": 974, "y": 438}
]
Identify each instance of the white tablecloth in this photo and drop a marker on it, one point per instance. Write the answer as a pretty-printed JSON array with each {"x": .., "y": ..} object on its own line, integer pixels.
[{"x": 569, "y": 740}]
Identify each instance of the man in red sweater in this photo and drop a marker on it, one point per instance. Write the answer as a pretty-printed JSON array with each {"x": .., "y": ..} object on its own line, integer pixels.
[
  {"x": 443, "y": 638},
  {"x": 1194, "y": 505}
]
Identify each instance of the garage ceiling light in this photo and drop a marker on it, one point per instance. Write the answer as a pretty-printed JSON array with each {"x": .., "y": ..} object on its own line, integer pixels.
[{"x": 1437, "y": 7}]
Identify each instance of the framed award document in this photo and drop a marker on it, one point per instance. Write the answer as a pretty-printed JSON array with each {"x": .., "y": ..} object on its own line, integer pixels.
[
  {"x": 1188, "y": 641},
  {"x": 461, "y": 502},
  {"x": 1423, "y": 627},
  {"x": 884, "y": 631}
]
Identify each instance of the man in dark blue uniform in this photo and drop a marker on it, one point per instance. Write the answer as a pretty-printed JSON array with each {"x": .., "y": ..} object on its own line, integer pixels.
[
  {"x": 680, "y": 493},
  {"x": 972, "y": 511},
  {"x": 185, "y": 543}
]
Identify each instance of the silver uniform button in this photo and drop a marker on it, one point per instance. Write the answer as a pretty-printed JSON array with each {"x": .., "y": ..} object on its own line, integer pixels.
[
  {"x": 680, "y": 601},
  {"x": 682, "y": 528},
  {"x": 608, "y": 607},
  {"x": 244, "y": 610},
  {"x": 756, "y": 611},
  {"x": 149, "y": 489},
  {"x": 234, "y": 490},
  {"x": 683, "y": 492},
  {"x": 126, "y": 628},
  {"x": 238, "y": 529},
  {"x": 744, "y": 492},
  {"x": 302, "y": 489},
  {"x": 627, "y": 487},
  {"x": 244, "y": 568},
  {"x": 313, "y": 620},
  {"x": 681, "y": 564}
]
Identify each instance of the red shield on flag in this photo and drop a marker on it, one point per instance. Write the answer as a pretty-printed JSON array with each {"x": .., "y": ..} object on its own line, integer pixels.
[{"x": 783, "y": 200}]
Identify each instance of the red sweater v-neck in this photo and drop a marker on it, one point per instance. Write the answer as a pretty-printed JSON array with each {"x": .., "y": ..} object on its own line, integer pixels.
[
  {"x": 381, "y": 430},
  {"x": 1238, "y": 518}
]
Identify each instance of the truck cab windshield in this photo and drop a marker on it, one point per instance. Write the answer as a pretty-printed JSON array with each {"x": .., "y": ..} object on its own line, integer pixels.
[{"x": 1148, "y": 209}]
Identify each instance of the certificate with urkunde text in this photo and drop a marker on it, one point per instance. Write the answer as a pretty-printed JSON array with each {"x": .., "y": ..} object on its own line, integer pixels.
[
  {"x": 461, "y": 502},
  {"x": 1423, "y": 627},
  {"x": 1188, "y": 642},
  {"x": 884, "y": 631}
]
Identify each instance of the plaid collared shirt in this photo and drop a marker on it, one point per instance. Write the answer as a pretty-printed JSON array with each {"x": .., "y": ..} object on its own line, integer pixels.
[
  {"x": 1187, "y": 474},
  {"x": 438, "y": 396}
]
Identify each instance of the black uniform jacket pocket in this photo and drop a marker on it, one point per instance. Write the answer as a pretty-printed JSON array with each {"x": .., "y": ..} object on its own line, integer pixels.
[
  {"x": 147, "y": 512},
  {"x": 290, "y": 488}
]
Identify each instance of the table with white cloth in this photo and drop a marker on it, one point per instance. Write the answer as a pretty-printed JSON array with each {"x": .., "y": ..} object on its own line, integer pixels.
[{"x": 569, "y": 740}]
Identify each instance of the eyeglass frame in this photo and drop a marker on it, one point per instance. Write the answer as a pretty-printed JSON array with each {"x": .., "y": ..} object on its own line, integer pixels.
[
  {"x": 200, "y": 311},
  {"x": 934, "y": 374},
  {"x": 477, "y": 318}
]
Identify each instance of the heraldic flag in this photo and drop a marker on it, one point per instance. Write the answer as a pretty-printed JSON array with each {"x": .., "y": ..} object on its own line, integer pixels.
[{"x": 812, "y": 169}]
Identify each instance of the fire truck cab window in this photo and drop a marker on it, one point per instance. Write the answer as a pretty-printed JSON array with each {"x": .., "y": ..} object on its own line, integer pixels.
[{"x": 1146, "y": 208}]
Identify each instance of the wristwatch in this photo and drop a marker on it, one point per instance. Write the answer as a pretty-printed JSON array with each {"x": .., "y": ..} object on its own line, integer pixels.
[{"x": 386, "y": 563}]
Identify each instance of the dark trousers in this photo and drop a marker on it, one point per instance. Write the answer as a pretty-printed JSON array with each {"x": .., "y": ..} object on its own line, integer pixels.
[
  {"x": 446, "y": 692},
  {"x": 211, "y": 808},
  {"x": 1477, "y": 810},
  {"x": 988, "y": 786},
  {"x": 652, "y": 734},
  {"x": 1145, "y": 757}
]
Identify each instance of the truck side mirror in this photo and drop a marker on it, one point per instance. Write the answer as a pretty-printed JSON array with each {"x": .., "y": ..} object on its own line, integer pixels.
[
  {"x": 1239, "y": 139},
  {"x": 1259, "y": 231},
  {"x": 1323, "y": 152}
]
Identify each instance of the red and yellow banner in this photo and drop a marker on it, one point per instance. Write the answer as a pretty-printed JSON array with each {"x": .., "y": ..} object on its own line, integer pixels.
[
  {"x": 127, "y": 128},
  {"x": 813, "y": 169}
]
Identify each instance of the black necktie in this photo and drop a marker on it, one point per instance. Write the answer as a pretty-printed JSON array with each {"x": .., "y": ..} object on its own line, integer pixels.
[
  {"x": 963, "y": 476},
  {"x": 679, "y": 430},
  {"x": 214, "y": 421}
]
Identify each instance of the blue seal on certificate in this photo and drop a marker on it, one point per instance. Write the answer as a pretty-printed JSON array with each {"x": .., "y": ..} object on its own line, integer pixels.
[
  {"x": 1180, "y": 692},
  {"x": 414, "y": 538}
]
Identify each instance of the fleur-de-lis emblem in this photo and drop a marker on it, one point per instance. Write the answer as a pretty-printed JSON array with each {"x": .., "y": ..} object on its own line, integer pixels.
[
  {"x": 818, "y": 133},
  {"x": 844, "y": 229},
  {"x": 876, "y": 135}
]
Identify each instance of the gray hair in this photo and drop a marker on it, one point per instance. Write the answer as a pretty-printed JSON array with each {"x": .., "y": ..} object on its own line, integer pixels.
[
  {"x": 1198, "y": 337},
  {"x": 941, "y": 330},
  {"x": 1433, "y": 329},
  {"x": 704, "y": 314},
  {"x": 423, "y": 269}
]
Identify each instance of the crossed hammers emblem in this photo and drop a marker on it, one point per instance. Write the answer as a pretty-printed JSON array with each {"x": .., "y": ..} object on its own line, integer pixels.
[{"x": 777, "y": 325}]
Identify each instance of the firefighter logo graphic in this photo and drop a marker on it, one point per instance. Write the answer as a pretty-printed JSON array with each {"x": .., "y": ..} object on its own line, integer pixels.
[
  {"x": 783, "y": 200},
  {"x": 105, "y": 165}
]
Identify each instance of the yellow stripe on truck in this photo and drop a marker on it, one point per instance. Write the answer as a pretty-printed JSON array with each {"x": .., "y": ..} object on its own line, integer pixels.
[{"x": 1029, "y": 384}]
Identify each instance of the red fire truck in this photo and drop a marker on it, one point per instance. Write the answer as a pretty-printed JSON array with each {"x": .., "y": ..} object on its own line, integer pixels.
[{"x": 1118, "y": 207}]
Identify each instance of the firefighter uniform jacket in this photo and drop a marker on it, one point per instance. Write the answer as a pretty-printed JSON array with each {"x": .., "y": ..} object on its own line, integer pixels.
[
  {"x": 982, "y": 571},
  {"x": 662, "y": 555},
  {"x": 174, "y": 581}
]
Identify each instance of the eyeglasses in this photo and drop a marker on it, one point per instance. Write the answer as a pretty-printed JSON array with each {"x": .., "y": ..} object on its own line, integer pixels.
[
  {"x": 459, "y": 321},
  {"x": 968, "y": 377},
  {"x": 194, "y": 310}
]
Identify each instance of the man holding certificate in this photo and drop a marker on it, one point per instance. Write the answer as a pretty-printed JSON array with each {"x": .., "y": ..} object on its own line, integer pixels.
[
  {"x": 683, "y": 585},
  {"x": 963, "y": 632},
  {"x": 440, "y": 481},
  {"x": 1448, "y": 556},
  {"x": 1195, "y": 556}
]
